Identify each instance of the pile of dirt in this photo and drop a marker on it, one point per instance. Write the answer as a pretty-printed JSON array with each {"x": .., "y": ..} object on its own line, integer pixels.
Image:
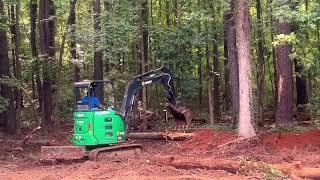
[
  {"x": 207, "y": 139},
  {"x": 293, "y": 140}
]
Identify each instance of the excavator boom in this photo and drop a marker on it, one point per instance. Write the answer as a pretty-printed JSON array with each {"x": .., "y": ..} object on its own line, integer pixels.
[{"x": 182, "y": 115}]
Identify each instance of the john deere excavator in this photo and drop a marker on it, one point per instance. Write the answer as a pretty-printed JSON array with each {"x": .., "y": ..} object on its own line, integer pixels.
[{"x": 104, "y": 130}]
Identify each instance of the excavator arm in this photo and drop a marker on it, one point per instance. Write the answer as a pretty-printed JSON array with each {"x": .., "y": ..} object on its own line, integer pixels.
[{"x": 163, "y": 76}]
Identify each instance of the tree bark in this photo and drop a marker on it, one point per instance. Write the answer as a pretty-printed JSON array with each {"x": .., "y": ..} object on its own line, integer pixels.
[
  {"x": 47, "y": 44},
  {"x": 33, "y": 18},
  {"x": 8, "y": 116},
  {"x": 234, "y": 69},
  {"x": 301, "y": 86},
  {"x": 284, "y": 112},
  {"x": 143, "y": 50},
  {"x": 34, "y": 50},
  {"x": 98, "y": 63},
  {"x": 216, "y": 79},
  {"x": 274, "y": 61},
  {"x": 260, "y": 61},
  {"x": 226, "y": 93},
  {"x": 199, "y": 55},
  {"x": 15, "y": 19},
  {"x": 242, "y": 24}
]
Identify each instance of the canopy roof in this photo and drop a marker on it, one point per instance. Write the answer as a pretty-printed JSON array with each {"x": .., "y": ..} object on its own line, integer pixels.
[{"x": 88, "y": 83}]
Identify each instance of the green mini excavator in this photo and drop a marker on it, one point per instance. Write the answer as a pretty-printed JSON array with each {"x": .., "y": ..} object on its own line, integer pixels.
[{"x": 99, "y": 130}]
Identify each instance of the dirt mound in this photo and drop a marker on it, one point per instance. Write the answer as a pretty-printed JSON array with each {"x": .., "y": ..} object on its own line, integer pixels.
[
  {"x": 207, "y": 139},
  {"x": 293, "y": 140}
]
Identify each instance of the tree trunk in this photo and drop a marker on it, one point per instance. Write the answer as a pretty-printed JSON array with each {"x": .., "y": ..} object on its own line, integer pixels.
[
  {"x": 301, "y": 79},
  {"x": 301, "y": 86},
  {"x": 98, "y": 63},
  {"x": 226, "y": 93},
  {"x": 284, "y": 112},
  {"x": 216, "y": 79},
  {"x": 8, "y": 116},
  {"x": 168, "y": 13},
  {"x": 211, "y": 100},
  {"x": 15, "y": 12},
  {"x": 260, "y": 62},
  {"x": 233, "y": 66},
  {"x": 199, "y": 54},
  {"x": 34, "y": 51},
  {"x": 293, "y": 170},
  {"x": 107, "y": 8},
  {"x": 274, "y": 61},
  {"x": 33, "y": 18},
  {"x": 242, "y": 23},
  {"x": 47, "y": 32},
  {"x": 72, "y": 44},
  {"x": 143, "y": 49}
]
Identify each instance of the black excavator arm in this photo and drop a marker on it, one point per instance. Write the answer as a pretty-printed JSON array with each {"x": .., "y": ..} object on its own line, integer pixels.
[{"x": 161, "y": 75}]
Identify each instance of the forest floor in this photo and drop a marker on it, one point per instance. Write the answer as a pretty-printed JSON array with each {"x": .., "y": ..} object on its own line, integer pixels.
[{"x": 270, "y": 148}]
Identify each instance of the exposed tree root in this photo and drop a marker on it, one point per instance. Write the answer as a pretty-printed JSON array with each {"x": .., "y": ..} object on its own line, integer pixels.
[
  {"x": 237, "y": 141},
  {"x": 25, "y": 139},
  {"x": 235, "y": 166}
]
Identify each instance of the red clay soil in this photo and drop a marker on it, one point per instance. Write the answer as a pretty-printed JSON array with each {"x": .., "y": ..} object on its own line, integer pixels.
[
  {"x": 207, "y": 139},
  {"x": 271, "y": 148},
  {"x": 293, "y": 140}
]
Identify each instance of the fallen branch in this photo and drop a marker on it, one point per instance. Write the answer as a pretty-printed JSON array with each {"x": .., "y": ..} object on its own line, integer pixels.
[
  {"x": 235, "y": 166},
  {"x": 160, "y": 136},
  {"x": 24, "y": 141}
]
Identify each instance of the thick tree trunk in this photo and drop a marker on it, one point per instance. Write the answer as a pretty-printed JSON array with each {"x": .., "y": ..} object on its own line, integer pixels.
[
  {"x": 260, "y": 62},
  {"x": 235, "y": 166},
  {"x": 7, "y": 117},
  {"x": 234, "y": 72},
  {"x": 47, "y": 32},
  {"x": 242, "y": 24},
  {"x": 98, "y": 63},
  {"x": 160, "y": 136},
  {"x": 284, "y": 112}
]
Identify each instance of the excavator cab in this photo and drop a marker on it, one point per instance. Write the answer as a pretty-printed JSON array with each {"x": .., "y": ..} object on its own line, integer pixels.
[{"x": 96, "y": 125}]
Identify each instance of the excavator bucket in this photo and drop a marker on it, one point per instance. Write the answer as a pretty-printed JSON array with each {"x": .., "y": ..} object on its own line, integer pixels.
[{"x": 182, "y": 115}]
